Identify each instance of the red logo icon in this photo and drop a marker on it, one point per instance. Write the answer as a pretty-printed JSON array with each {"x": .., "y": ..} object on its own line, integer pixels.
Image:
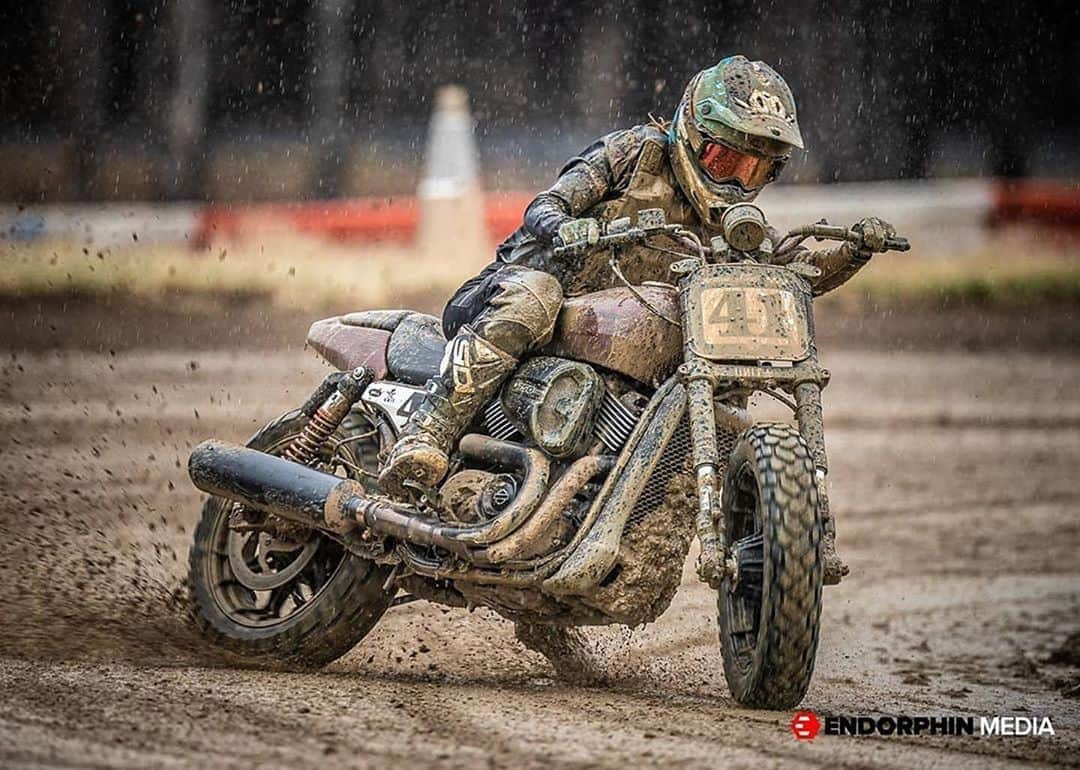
[{"x": 805, "y": 726}]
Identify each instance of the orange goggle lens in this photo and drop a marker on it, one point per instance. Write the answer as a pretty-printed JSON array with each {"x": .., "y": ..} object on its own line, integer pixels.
[{"x": 723, "y": 164}]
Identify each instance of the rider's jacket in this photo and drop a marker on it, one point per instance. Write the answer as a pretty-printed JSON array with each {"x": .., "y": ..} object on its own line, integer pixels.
[{"x": 617, "y": 176}]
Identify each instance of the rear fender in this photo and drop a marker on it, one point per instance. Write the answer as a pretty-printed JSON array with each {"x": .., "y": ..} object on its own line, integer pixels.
[{"x": 347, "y": 347}]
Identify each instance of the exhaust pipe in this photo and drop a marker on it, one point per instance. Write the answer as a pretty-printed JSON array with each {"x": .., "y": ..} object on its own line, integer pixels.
[
  {"x": 304, "y": 495},
  {"x": 313, "y": 498},
  {"x": 273, "y": 485}
]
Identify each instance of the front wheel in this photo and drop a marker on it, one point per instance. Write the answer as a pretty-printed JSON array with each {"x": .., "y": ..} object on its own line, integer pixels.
[
  {"x": 770, "y": 614},
  {"x": 300, "y": 598}
]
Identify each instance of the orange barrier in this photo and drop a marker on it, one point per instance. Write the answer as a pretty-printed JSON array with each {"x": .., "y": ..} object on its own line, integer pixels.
[
  {"x": 355, "y": 219},
  {"x": 1016, "y": 200},
  {"x": 503, "y": 212}
]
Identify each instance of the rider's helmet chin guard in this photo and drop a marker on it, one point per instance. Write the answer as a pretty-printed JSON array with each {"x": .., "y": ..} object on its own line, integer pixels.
[{"x": 733, "y": 131}]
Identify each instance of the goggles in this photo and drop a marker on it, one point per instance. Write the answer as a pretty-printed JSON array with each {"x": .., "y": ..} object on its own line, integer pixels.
[{"x": 722, "y": 164}]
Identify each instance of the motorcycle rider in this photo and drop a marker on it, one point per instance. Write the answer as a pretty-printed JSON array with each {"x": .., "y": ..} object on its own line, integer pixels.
[{"x": 732, "y": 133}]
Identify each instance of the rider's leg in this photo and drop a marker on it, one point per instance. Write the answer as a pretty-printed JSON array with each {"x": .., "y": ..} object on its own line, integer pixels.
[{"x": 518, "y": 316}]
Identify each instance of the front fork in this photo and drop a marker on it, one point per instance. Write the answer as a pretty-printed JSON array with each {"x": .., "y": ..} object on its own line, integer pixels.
[
  {"x": 712, "y": 564},
  {"x": 811, "y": 424},
  {"x": 716, "y": 561}
]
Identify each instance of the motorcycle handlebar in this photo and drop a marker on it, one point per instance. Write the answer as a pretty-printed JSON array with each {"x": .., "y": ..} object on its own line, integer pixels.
[
  {"x": 633, "y": 235},
  {"x": 639, "y": 235},
  {"x": 840, "y": 233}
]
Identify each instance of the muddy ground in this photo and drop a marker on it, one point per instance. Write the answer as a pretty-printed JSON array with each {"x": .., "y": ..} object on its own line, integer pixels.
[{"x": 954, "y": 477}]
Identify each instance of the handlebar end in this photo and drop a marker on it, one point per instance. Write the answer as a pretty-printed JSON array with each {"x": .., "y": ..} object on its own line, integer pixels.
[{"x": 897, "y": 243}]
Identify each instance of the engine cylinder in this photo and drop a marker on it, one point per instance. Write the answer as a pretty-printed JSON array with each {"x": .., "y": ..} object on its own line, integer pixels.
[{"x": 555, "y": 402}]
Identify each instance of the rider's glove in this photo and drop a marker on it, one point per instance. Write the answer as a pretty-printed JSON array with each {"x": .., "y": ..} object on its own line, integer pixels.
[
  {"x": 875, "y": 232},
  {"x": 579, "y": 231}
]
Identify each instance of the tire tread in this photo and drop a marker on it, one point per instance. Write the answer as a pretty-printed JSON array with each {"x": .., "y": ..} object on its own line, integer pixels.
[{"x": 791, "y": 603}]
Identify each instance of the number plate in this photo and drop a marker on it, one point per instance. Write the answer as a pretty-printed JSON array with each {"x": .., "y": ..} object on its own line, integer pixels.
[{"x": 751, "y": 323}]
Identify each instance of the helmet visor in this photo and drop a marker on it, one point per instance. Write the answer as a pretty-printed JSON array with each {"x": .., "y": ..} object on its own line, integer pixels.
[{"x": 723, "y": 164}]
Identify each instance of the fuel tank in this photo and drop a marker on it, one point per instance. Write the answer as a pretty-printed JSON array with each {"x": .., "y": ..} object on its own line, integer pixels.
[{"x": 613, "y": 329}]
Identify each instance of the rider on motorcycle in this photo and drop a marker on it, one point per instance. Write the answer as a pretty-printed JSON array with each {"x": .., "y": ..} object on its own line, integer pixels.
[{"x": 732, "y": 133}]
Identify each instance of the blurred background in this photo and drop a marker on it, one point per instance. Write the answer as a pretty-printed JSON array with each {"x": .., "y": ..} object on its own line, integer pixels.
[
  {"x": 289, "y": 151},
  {"x": 186, "y": 185},
  {"x": 287, "y": 99}
]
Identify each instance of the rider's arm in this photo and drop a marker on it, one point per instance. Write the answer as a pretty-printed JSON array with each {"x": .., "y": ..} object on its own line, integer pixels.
[
  {"x": 601, "y": 169},
  {"x": 837, "y": 263}
]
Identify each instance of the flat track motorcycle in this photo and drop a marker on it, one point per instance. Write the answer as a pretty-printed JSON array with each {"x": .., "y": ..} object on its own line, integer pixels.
[{"x": 573, "y": 498}]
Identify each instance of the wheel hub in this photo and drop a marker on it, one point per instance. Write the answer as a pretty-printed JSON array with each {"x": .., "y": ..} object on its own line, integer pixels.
[{"x": 263, "y": 562}]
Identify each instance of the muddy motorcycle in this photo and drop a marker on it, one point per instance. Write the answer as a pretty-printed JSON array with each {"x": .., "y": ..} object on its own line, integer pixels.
[{"x": 574, "y": 497}]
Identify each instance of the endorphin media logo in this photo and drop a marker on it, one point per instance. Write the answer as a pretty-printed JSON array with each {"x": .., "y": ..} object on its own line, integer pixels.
[{"x": 806, "y": 725}]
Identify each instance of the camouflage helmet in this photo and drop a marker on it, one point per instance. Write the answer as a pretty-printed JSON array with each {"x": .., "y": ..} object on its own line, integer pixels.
[{"x": 732, "y": 133}]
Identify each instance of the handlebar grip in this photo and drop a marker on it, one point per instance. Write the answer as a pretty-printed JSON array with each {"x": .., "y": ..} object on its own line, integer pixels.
[
  {"x": 821, "y": 232},
  {"x": 614, "y": 239}
]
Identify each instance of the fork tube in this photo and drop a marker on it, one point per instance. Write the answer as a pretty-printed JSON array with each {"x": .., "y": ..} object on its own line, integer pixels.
[
  {"x": 812, "y": 428},
  {"x": 705, "y": 452},
  {"x": 811, "y": 423}
]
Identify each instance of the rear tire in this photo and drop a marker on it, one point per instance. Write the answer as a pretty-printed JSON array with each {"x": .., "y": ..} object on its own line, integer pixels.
[
  {"x": 770, "y": 619},
  {"x": 335, "y": 600}
]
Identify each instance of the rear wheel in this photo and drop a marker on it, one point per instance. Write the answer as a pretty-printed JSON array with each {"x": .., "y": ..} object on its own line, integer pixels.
[
  {"x": 770, "y": 615},
  {"x": 297, "y": 596}
]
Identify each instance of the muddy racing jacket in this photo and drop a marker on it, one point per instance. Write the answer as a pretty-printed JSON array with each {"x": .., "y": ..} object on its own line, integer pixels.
[{"x": 617, "y": 176}]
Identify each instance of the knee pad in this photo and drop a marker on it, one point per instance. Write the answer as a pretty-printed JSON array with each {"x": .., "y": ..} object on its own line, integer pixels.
[{"x": 521, "y": 315}]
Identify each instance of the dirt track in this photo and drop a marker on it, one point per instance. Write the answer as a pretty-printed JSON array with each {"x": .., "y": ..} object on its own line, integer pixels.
[{"x": 958, "y": 503}]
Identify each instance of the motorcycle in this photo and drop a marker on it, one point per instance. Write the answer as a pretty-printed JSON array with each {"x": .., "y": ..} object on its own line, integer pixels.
[{"x": 574, "y": 497}]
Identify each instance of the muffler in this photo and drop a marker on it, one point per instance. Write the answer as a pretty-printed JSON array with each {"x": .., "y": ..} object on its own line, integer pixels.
[
  {"x": 273, "y": 485},
  {"x": 327, "y": 502}
]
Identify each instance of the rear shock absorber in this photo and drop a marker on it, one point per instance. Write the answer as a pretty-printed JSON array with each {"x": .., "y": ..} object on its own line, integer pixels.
[{"x": 332, "y": 410}]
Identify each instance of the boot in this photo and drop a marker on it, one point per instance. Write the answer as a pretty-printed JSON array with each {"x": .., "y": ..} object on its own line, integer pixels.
[{"x": 472, "y": 372}]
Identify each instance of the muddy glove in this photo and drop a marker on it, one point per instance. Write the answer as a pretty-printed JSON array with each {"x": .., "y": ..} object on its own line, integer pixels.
[
  {"x": 579, "y": 231},
  {"x": 875, "y": 234}
]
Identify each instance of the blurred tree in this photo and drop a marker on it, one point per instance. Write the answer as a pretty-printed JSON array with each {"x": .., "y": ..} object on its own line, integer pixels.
[
  {"x": 329, "y": 47},
  {"x": 190, "y": 21},
  {"x": 898, "y": 88}
]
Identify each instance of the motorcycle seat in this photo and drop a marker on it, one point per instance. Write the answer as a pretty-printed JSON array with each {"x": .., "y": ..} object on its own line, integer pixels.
[{"x": 415, "y": 351}]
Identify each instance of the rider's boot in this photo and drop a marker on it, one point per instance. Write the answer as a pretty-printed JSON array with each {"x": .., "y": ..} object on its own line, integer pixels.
[
  {"x": 473, "y": 369},
  {"x": 516, "y": 312}
]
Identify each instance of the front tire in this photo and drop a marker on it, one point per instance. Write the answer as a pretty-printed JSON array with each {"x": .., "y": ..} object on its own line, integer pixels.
[
  {"x": 771, "y": 615},
  {"x": 308, "y": 605}
]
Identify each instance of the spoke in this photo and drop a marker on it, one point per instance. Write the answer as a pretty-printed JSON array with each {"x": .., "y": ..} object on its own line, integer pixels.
[
  {"x": 262, "y": 600},
  {"x": 303, "y": 591},
  {"x": 742, "y": 620},
  {"x": 290, "y": 603}
]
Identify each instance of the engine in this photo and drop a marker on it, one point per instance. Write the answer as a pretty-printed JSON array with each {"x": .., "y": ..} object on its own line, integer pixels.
[
  {"x": 554, "y": 402},
  {"x": 562, "y": 406}
]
